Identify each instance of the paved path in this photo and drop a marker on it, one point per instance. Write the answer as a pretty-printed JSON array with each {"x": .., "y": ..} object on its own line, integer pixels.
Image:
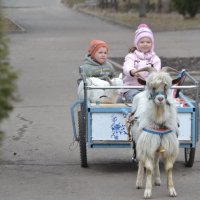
[{"x": 37, "y": 161}]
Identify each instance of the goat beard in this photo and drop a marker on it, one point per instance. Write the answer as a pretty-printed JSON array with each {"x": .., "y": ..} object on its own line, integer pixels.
[{"x": 158, "y": 113}]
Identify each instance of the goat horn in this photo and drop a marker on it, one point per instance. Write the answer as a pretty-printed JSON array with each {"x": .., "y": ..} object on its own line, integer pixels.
[
  {"x": 147, "y": 69},
  {"x": 167, "y": 69}
]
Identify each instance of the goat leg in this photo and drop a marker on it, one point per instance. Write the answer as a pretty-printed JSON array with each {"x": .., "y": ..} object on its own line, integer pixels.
[
  {"x": 157, "y": 170},
  {"x": 148, "y": 188},
  {"x": 170, "y": 184},
  {"x": 140, "y": 175}
]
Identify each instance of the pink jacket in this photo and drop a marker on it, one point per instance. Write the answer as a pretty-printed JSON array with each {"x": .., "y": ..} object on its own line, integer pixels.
[{"x": 138, "y": 60}]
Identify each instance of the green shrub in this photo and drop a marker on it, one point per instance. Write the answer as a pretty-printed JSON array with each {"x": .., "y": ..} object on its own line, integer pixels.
[
  {"x": 187, "y": 7},
  {"x": 8, "y": 76},
  {"x": 71, "y": 3}
]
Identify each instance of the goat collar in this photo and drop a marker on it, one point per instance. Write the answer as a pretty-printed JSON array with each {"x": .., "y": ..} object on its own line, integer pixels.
[{"x": 159, "y": 131}]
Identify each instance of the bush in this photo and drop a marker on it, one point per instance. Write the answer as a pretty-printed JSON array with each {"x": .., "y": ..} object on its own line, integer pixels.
[
  {"x": 71, "y": 3},
  {"x": 187, "y": 7},
  {"x": 8, "y": 77}
]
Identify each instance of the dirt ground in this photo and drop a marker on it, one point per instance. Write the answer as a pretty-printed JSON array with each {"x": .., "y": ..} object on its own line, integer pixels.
[{"x": 10, "y": 26}]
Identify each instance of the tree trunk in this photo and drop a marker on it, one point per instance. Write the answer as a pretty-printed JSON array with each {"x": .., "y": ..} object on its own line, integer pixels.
[
  {"x": 165, "y": 6},
  {"x": 142, "y": 8},
  {"x": 115, "y": 5}
]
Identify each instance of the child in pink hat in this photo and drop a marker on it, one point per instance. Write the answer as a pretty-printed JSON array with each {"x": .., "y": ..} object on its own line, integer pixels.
[{"x": 139, "y": 56}]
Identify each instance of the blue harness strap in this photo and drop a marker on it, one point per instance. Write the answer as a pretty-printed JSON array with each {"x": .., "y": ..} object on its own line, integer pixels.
[
  {"x": 154, "y": 94},
  {"x": 157, "y": 132}
]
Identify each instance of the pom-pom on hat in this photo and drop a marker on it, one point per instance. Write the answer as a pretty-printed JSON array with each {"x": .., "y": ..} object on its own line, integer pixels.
[
  {"x": 143, "y": 31},
  {"x": 95, "y": 45}
]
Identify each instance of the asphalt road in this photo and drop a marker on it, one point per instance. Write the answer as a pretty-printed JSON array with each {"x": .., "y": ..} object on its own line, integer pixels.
[{"x": 38, "y": 158}]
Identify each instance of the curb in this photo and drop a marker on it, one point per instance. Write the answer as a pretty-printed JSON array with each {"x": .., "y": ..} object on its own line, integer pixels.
[{"x": 18, "y": 28}]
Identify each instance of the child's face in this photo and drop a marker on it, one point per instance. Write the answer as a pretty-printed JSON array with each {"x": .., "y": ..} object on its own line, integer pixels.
[
  {"x": 145, "y": 45},
  {"x": 101, "y": 55}
]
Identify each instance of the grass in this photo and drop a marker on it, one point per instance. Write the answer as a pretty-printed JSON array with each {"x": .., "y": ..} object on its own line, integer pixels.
[
  {"x": 71, "y": 3},
  {"x": 158, "y": 22}
]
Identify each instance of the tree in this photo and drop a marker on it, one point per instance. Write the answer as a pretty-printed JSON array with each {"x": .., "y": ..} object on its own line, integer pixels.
[
  {"x": 114, "y": 3},
  {"x": 187, "y": 7},
  {"x": 142, "y": 8},
  {"x": 8, "y": 76},
  {"x": 164, "y": 6}
]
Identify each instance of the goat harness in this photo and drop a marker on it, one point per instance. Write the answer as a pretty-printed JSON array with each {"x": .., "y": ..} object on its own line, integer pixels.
[
  {"x": 154, "y": 94},
  {"x": 158, "y": 131},
  {"x": 130, "y": 120},
  {"x": 162, "y": 130}
]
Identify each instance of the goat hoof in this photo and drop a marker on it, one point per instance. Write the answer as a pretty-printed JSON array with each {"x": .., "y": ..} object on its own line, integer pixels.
[
  {"x": 138, "y": 185},
  {"x": 172, "y": 192},
  {"x": 157, "y": 182},
  {"x": 147, "y": 194}
]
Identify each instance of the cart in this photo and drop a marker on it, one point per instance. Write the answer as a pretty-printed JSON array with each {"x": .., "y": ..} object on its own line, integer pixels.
[{"x": 103, "y": 125}]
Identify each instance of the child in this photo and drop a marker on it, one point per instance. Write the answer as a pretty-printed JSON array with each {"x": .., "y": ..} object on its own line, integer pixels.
[
  {"x": 96, "y": 67},
  {"x": 95, "y": 63},
  {"x": 141, "y": 55}
]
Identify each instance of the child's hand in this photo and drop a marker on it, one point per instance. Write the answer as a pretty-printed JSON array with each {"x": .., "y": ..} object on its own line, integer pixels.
[
  {"x": 137, "y": 75},
  {"x": 134, "y": 74}
]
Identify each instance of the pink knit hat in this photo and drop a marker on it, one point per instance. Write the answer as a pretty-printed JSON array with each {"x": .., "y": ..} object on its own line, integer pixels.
[{"x": 143, "y": 31}]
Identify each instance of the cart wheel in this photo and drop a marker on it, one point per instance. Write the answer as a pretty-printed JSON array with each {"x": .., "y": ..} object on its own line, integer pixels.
[
  {"x": 189, "y": 156},
  {"x": 82, "y": 139}
]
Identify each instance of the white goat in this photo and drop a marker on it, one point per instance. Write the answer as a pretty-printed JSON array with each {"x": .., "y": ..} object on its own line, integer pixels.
[
  {"x": 155, "y": 126},
  {"x": 103, "y": 95}
]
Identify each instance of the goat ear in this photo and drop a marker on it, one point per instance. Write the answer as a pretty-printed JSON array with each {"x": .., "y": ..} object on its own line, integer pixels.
[
  {"x": 175, "y": 81},
  {"x": 141, "y": 81}
]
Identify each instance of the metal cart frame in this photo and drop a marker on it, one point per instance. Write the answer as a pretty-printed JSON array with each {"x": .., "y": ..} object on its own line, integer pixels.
[{"x": 92, "y": 117}]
